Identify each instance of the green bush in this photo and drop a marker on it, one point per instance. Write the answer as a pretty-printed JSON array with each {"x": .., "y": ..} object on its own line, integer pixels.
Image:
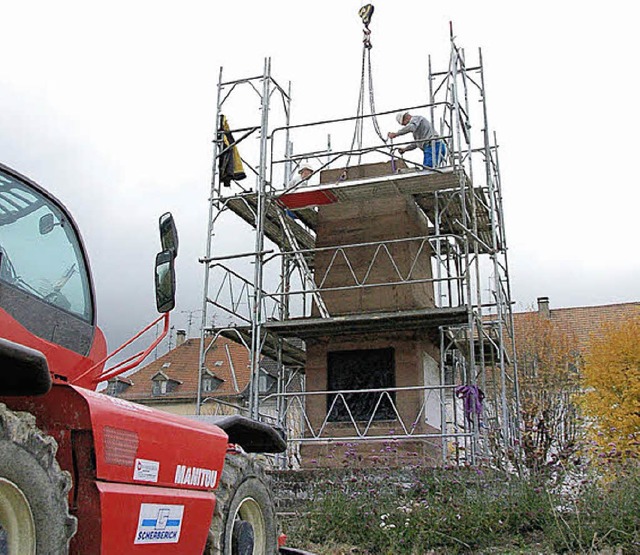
[
  {"x": 468, "y": 511},
  {"x": 604, "y": 513}
]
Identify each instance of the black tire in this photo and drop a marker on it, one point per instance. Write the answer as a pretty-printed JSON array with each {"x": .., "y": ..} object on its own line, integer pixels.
[
  {"x": 28, "y": 468},
  {"x": 242, "y": 495}
]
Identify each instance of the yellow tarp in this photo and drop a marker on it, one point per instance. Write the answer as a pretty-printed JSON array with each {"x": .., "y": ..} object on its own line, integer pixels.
[{"x": 230, "y": 163}]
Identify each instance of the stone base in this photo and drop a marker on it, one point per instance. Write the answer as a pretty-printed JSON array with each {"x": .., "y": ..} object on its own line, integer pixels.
[{"x": 372, "y": 454}]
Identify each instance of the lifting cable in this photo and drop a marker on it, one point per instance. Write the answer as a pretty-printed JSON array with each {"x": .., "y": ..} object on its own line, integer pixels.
[{"x": 366, "y": 81}]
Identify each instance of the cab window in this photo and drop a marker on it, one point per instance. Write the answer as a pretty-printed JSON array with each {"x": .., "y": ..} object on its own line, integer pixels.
[{"x": 39, "y": 250}]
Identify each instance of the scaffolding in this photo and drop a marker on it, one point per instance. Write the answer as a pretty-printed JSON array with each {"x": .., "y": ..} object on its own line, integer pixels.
[{"x": 275, "y": 296}]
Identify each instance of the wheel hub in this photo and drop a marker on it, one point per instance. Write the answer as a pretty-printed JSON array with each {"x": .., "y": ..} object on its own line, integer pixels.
[
  {"x": 249, "y": 529},
  {"x": 243, "y": 539},
  {"x": 17, "y": 527}
]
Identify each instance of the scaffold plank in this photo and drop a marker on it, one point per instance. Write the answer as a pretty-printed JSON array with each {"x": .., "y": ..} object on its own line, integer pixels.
[
  {"x": 292, "y": 355},
  {"x": 449, "y": 206},
  {"x": 405, "y": 320},
  {"x": 486, "y": 352},
  {"x": 405, "y": 183},
  {"x": 245, "y": 206}
]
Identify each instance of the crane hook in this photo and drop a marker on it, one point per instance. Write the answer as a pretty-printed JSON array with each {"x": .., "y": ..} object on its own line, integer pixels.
[{"x": 366, "y": 13}]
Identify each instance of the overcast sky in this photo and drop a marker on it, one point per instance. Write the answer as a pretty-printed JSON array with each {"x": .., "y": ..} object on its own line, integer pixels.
[{"x": 111, "y": 107}]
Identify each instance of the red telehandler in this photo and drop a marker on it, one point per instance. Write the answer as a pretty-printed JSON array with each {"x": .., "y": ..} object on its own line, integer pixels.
[{"x": 86, "y": 473}]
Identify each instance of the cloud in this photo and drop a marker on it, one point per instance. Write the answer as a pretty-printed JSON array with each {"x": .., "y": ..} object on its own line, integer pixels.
[{"x": 112, "y": 106}]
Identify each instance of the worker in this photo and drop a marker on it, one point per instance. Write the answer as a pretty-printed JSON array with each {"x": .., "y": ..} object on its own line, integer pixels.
[
  {"x": 305, "y": 171},
  {"x": 424, "y": 135}
]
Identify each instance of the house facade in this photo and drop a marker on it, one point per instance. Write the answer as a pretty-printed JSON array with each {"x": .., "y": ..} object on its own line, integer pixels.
[
  {"x": 171, "y": 381},
  {"x": 579, "y": 321}
]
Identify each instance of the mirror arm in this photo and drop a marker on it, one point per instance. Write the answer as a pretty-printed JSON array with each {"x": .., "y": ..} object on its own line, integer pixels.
[{"x": 139, "y": 357}]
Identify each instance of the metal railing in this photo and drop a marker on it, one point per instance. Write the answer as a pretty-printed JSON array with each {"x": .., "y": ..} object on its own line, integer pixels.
[
  {"x": 393, "y": 413},
  {"x": 356, "y": 266},
  {"x": 447, "y": 269},
  {"x": 337, "y": 155}
]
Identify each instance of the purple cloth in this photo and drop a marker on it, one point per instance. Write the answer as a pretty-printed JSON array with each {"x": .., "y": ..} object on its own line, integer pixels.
[{"x": 472, "y": 397}]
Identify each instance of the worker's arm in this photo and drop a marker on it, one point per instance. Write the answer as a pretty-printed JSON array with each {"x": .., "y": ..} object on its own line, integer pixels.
[{"x": 409, "y": 128}]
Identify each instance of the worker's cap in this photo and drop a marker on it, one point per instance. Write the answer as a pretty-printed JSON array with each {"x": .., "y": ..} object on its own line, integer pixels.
[
  {"x": 304, "y": 166},
  {"x": 400, "y": 116}
]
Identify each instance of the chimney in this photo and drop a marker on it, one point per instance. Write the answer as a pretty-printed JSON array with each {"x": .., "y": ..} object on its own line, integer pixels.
[
  {"x": 181, "y": 337},
  {"x": 543, "y": 307}
]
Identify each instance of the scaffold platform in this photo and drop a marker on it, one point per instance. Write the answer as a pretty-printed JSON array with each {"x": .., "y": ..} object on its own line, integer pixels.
[
  {"x": 432, "y": 191},
  {"x": 370, "y": 322},
  {"x": 449, "y": 205},
  {"x": 404, "y": 183},
  {"x": 292, "y": 354},
  {"x": 246, "y": 205}
]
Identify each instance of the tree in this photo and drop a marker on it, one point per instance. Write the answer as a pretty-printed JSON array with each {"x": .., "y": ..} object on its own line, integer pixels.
[
  {"x": 611, "y": 380},
  {"x": 548, "y": 375}
]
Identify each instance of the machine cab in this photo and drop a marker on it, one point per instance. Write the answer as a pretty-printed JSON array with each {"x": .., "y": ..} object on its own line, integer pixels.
[{"x": 46, "y": 294}]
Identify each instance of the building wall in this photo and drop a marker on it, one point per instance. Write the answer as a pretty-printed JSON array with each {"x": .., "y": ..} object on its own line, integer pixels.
[
  {"x": 433, "y": 408},
  {"x": 409, "y": 371},
  {"x": 181, "y": 408},
  {"x": 375, "y": 220},
  {"x": 372, "y": 454},
  {"x": 410, "y": 352}
]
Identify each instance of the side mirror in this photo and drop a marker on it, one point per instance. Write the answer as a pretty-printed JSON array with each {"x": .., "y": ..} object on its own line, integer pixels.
[
  {"x": 165, "y": 281},
  {"x": 168, "y": 234}
]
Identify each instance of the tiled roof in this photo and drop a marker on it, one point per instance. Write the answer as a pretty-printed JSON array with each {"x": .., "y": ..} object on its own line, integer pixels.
[
  {"x": 583, "y": 321},
  {"x": 224, "y": 360}
]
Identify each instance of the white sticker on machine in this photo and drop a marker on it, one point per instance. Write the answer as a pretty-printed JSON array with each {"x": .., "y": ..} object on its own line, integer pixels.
[
  {"x": 159, "y": 523},
  {"x": 146, "y": 471}
]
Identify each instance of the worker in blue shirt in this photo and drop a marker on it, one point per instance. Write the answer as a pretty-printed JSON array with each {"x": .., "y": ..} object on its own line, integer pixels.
[{"x": 425, "y": 137}]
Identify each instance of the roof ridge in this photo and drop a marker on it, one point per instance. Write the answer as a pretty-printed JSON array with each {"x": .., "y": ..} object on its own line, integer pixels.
[
  {"x": 586, "y": 307},
  {"x": 611, "y": 305}
]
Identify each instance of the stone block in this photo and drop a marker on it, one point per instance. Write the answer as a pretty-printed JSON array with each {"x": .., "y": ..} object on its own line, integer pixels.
[{"x": 359, "y": 172}]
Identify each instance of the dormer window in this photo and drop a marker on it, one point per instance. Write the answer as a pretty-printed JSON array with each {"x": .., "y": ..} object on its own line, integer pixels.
[
  {"x": 117, "y": 386},
  {"x": 160, "y": 387},
  {"x": 163, "y": 384},
  {"x": 210, "y": 382}
]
